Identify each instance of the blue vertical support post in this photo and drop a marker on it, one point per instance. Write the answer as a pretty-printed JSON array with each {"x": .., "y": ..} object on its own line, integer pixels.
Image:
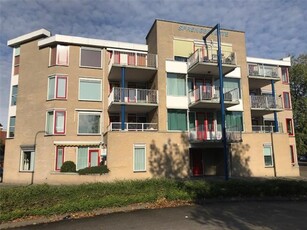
[
  {"x": 123, "y": 108},
  {"x": 276, "y": 128},
  {"x": 224, "y": 137}
]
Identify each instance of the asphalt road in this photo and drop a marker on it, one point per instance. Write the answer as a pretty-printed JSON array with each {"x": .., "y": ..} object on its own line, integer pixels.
[{"x": 213, "y": 215}]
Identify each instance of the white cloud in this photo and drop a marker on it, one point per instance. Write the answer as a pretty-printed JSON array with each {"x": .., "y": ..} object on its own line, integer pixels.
[{"x": 273, "y": 28}]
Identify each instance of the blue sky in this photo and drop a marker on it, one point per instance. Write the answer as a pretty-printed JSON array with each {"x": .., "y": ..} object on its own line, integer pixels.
[{"x": 274, "y": 28}]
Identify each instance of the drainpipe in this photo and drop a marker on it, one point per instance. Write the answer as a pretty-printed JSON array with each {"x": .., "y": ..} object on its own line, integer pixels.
[
  {"x": 123, "y": 108},
  {"x": 273, "y": 155},
  {"x": 276, "y": 128}
]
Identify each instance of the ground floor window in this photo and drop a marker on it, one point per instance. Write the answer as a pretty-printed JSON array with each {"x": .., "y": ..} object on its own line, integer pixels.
[
  {"x": 27, "y": 160},
  {"x": 59, "y": 158},
  {"x": 267, "y": 153},
  {"x": 87, "y": 157},
  {"x": 139, "y": 158},
  {"x": 177, "y": 119}
]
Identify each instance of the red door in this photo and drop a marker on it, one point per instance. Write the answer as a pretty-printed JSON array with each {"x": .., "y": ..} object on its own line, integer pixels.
[
  {"x": 201, "y": 126},
  {"x": 197, "y": 161}
]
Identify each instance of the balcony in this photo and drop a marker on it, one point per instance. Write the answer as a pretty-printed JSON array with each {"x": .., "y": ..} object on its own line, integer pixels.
[
  {"x": 209, "y": 97},
  {"x": 202, "y": 62},
  {"x": 265, "y": 104},
  {"x": 266, "y": 128},
  {"x": 137, "y": 100},
  {"x": 140, "y": 67},
  {"x": 204, "y": 133},
  {"x": 130, "y": 126},
  {"x": 261, "y": 75}
]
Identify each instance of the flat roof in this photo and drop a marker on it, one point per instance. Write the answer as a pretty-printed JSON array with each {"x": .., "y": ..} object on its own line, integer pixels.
[
  {"x": 41, "y": 33},
  {"x": 283, "y": 62}
]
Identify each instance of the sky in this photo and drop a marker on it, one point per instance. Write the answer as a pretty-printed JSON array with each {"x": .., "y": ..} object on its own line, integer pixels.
[{"x": 273, "y": 28}]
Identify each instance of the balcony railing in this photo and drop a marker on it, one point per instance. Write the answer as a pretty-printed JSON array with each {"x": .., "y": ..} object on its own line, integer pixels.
[
  {"x": 266, "y": 128},
  {"x": 263, "y": 71},
  {"x": 212, "y": 94},
  {"x": 133, "y": 96},
  {"x": 265, "y": 102},
  {"x": 214, "y": 133},
  {"x": 210, "y": 57},
  {"x": 130, "y": 126},
  {"x": 133, "y": 59}
]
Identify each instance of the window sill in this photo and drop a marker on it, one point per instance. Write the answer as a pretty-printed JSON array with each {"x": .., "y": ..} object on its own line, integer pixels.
[
  {"x": 91, "y": 67},
  {"x": 89, "y": 100},
  {"x": 89, "y": 134},
  {"x": 141, "y": 171},
  {"x": 26, "y": 171},
  {"x": 58, "y": 65}
]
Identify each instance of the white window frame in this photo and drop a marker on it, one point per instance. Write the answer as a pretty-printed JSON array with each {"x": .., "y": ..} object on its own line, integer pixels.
[
  {"x": 145, "y": 159},
  {"x": 268, "y": 145},
  {"x": 89, "y": 149},
  {"x": 31, "y": 163},
  {"x": 57, "y": 157},
  {"x": 55, "y": 96},
  {"x": 54, "y": 122},
  {"x": 93, "y": 49},
  {"x": 89, "y": 79},
  {"x": 91, "y": 113}
]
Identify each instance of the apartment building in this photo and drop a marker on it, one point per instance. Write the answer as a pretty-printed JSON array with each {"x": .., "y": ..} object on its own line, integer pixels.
[{"x": 146, "y": 110}]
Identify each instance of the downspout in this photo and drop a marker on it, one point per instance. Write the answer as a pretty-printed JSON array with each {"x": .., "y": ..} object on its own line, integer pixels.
[
  {"x": 38, "y": 132},
  {"x": 276, "y": 128},
  {"x": 123, "y": 108}
]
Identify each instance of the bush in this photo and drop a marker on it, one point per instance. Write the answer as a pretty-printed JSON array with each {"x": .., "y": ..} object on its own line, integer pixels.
[
  {"x": 68, "y": 166},
  {"x": 94, "y": 170}
]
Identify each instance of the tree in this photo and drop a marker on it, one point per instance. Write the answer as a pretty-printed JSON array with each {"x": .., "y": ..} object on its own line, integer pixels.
[{"x": 298, "y": 86}]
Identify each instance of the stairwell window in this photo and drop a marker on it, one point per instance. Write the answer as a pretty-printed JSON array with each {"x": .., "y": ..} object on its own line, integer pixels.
[
  {"x": 12, "y": 127},
  {"x": 27, "y": 160},
  {"x": 139, "y": 158},
  {"x": 89, "y": 123},
  {"x": 286, "y": 97},
  {"x": 56, "y": 122},
  {"x": 284, "y": 75},
  {"x": 14, "y": 94},
  {"x": 16, "y": 60},
  {"x": 90, "y": 57},
  {"x": 90, "y": 89},
  {"x": 59, "y": 55},
  {"x": 57, "y": 87},
  {"x": 289, "y": 124}
]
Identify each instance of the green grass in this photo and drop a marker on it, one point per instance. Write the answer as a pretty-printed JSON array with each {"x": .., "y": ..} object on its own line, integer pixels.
[{"x": 45, "y": 200}]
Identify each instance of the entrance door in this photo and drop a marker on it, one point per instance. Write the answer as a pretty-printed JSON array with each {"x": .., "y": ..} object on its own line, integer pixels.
[{"x": 197, "y": 163}]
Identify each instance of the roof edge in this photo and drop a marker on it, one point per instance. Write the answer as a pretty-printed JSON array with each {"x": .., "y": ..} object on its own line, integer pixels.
[{"x": 41, "y": 33}]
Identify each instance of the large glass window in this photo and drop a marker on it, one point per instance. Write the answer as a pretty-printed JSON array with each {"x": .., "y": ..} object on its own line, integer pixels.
[
  {"x": 27, "y": 160},
  {"x": 14, "y": 94},
  {"x": 89, "y": 123},
  {"x": 90, "y": 89},
  {"x": 87, "y": 157},
  {"x": 12, "y": 126},
  {"x": 90, "y": 57},
  {"x": 177, "y": 119},
  {"x": 55, "y": 122},
  {"x": 289, "y": 125},
  {"x": 57, "y": 87},
  {"x": 286, "y": 96},
  {"x": 176, "y": 85},
  {"x": 59, "y": 55},
  {"x": 267, "y": 153},
  {"x": 234, "y": 121},
  {"x": 139, "y": 158}
]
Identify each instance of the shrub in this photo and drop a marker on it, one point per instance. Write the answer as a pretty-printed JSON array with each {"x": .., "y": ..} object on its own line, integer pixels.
[
  {"x": 68, "y": 166},
  {"x": 94, "y": 170}
]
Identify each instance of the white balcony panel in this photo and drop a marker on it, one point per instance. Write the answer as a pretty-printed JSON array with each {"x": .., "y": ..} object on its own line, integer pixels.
[
  {"x": 176, "y": 67},
  {"x": 173, "y": 102},
  {"x": 14, "y": 80},
  {"x": 238, "y": 107},
  {"x": 12, "y": 110},
  {"x": 236, "y": 73}
]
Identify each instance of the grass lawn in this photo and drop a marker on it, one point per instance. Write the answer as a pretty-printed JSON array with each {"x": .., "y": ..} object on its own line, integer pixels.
[{"x": 46, "y": 200}]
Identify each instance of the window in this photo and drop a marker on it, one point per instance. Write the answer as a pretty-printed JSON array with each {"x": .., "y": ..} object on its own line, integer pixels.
[
  {"x": 289, "y": 125},
  {"x": 57, "y": 87},
  {"x": 56, "y": 120},
  {"x": 89, "y": 123},
  {"x": 87, "y": 157},
  {"x": 59, "y": 158},
  {"x": 139, "y": 158},
  {"x": 233, "y": 87},
  {"x": 12, "y": 127},
  {"x": 292, "y": 154},
  {"x": 177, "y": 119},
  {"x": 176, "y": 85},
  {"x": 234, "y": 121},
  {"x": 27, "y": 160},
  {"x": 90, "y": 57},
  {"x": 284, "y": 75},
  {"x": 14, "y": 94},
  {"x": 286, "y": 96},
  {"x": 90, "y": 89},
  {"x": 267, "y": 153},
  {"x": 59, "y": 55},
  {"x": 16, "y": 60}
]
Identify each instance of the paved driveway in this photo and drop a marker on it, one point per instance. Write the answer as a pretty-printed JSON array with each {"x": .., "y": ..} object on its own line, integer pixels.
[{"x": 213, "y": 215}]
